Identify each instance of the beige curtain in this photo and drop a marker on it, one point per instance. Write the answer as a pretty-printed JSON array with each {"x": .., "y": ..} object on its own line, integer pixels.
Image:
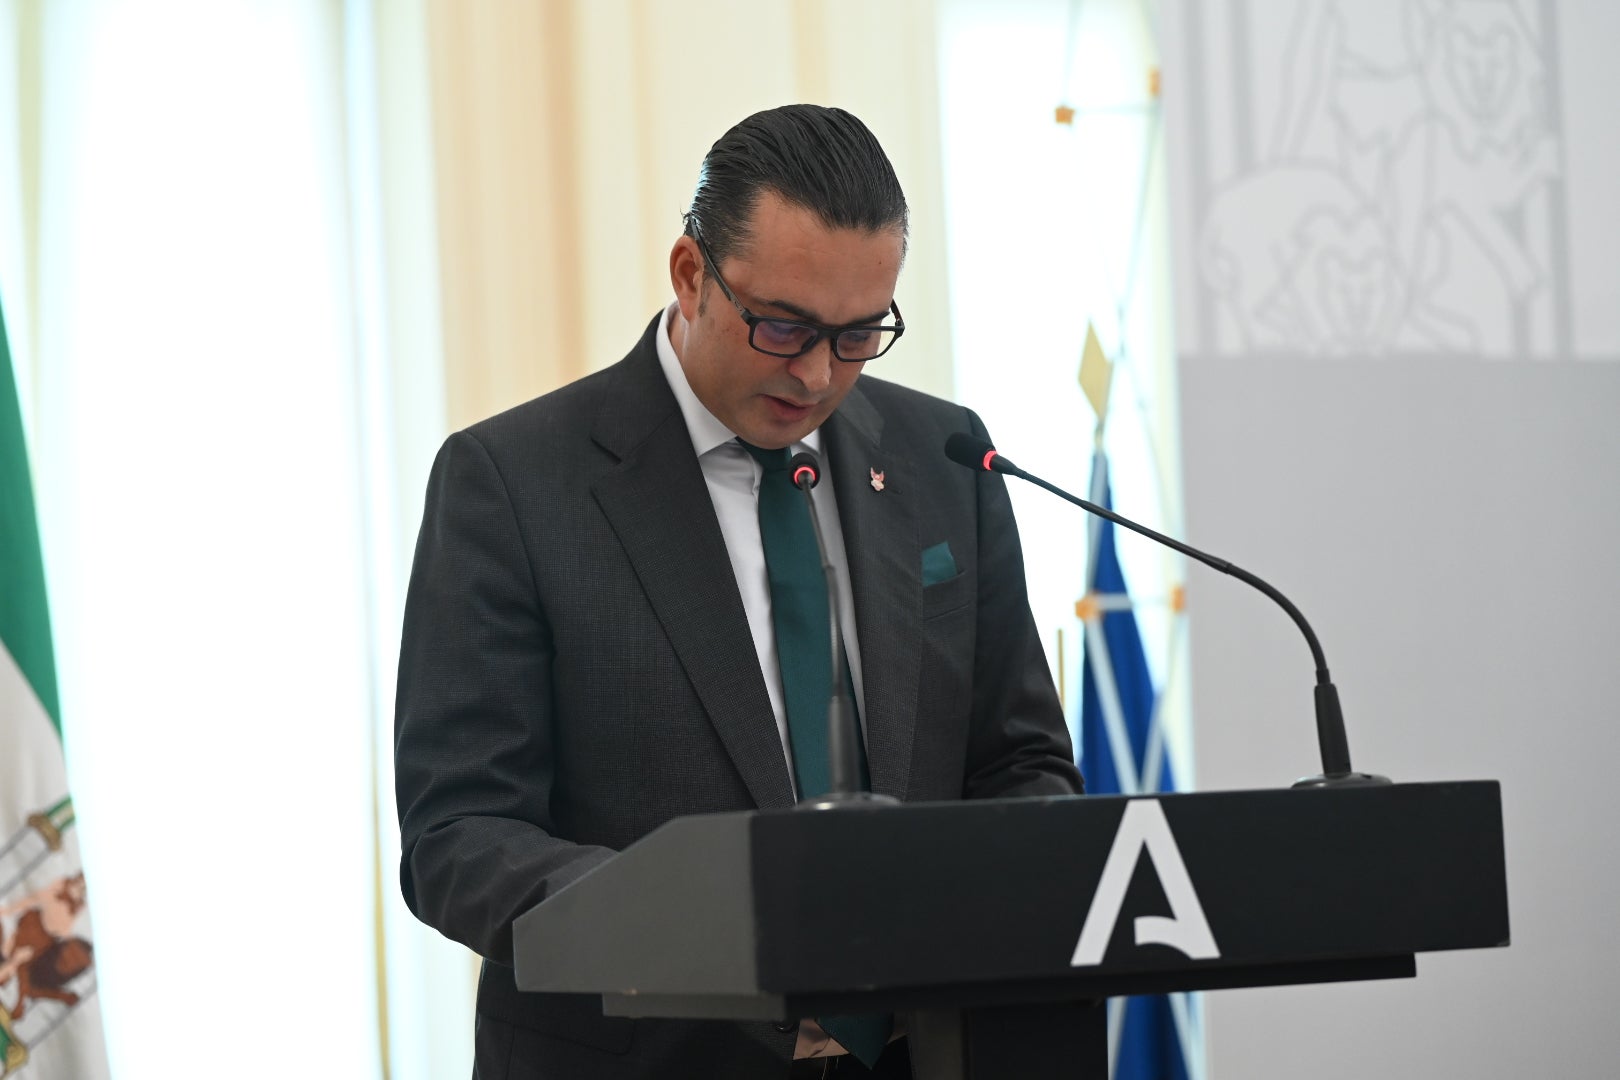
[{"x": 567, "y": 140}]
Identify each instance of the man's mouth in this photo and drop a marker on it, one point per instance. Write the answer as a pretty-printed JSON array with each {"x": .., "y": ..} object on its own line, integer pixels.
[{"x": 788, "y": 407}]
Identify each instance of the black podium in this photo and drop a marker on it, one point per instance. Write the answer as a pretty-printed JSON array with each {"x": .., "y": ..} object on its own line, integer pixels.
[{"x": 993, "y": 928}]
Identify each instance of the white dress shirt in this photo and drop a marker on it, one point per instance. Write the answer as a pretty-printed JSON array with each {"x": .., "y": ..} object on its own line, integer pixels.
[{"x": 733, "y": 478}]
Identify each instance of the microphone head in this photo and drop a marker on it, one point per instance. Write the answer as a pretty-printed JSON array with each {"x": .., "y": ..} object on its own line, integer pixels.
[
  {"x": 975, "y": 453},
  {"x": 804, "y": 470}
]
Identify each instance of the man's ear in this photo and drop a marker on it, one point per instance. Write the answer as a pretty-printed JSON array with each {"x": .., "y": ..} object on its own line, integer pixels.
[{"x": 686, "y": 275}]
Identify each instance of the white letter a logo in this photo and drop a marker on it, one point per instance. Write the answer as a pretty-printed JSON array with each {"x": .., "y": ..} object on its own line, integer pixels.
[{"x": 1144, "y": 826}]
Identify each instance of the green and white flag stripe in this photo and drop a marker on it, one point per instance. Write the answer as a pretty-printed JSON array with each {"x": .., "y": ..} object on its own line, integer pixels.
[
  {"x": 25, "y": 621},
  {"x": 50, "y": 1026}
]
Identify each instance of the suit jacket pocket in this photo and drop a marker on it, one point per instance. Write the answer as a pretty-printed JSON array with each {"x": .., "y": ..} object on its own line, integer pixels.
[{"x": 947, "y": 596}]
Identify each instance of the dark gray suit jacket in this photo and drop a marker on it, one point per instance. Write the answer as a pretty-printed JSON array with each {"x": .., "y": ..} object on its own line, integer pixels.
[{"x": 576, "y": 669}]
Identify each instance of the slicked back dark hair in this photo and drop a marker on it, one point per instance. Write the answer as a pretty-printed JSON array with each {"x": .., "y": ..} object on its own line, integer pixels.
[{"x": 824, "y": 160}]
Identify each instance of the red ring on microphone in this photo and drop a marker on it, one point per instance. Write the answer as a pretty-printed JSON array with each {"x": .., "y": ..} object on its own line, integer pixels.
[
  {"x": 989, "y": 456},
  {"x": 800, "y": 472}
]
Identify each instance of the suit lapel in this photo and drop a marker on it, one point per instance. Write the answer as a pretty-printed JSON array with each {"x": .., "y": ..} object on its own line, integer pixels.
[
  {"x": 885, "y": 561},
  {"x": 659, "y": 507}
]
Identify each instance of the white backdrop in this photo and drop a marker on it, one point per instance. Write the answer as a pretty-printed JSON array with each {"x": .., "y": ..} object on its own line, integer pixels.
[{"x": 1394, "y": 234}]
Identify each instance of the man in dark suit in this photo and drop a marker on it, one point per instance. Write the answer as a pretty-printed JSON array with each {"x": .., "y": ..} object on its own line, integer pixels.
[{"x": 591, "y": 634}]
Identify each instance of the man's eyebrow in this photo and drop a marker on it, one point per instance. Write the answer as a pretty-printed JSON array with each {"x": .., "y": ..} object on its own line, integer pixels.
[{"x": 800, "y": 313}]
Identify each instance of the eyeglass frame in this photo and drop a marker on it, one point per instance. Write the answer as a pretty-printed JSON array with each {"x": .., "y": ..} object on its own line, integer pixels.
[{"x": 831, "y": 333}]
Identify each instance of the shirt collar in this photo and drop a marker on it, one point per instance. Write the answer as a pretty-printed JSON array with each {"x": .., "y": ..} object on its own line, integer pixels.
[{"x": 706, "y": 430}]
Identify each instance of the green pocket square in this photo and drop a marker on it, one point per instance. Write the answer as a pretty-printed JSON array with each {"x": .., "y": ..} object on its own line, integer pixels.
[{"x": 937, "y": 564}]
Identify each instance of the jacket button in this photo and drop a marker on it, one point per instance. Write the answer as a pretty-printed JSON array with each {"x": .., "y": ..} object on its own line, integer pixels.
[{"x": 785, "y": 1026}]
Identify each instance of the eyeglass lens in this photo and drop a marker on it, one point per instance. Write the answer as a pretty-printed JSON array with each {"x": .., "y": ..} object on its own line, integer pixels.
[{"x": 792, "y": 339}]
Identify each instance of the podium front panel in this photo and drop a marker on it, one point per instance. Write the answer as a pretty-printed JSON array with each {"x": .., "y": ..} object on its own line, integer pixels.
[{"x": 1001, "y": 891}]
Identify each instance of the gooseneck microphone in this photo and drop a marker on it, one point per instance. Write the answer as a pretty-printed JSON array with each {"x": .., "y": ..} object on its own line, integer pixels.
[
  {"x": 843, "y": 762},
  {"x": 979, "y": 455}
]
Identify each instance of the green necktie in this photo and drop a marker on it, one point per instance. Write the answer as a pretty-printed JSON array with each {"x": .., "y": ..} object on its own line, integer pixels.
[
  {"x": 804, "y": 654},
  {"x": 799, "y": 614}
]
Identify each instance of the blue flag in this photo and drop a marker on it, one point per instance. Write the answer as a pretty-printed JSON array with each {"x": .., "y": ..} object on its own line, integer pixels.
[{"x": 1122, "y": 751}]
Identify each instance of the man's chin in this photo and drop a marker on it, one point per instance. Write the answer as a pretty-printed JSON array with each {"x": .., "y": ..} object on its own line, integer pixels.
[
  {"x": 773, "y": 438},
  {"x": 777, "y": 424}
]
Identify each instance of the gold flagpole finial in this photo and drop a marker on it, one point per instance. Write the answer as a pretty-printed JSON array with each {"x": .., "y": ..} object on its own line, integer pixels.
[{"x": 1096, "y": 375}]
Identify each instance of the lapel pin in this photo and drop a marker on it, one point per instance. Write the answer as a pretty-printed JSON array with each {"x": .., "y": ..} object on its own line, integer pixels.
[{"x": 877, "y": 480}]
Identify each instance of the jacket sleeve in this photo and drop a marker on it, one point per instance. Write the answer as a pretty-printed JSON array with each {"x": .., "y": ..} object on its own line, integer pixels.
[
  {"x": 473, "y": 722},
  {"x": 1018, "y": 741}
]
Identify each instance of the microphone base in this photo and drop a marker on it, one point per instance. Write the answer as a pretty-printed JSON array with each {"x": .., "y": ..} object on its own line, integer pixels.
[
  {"x": 1341, "y": 780},
  {"x": 845, "y": 800}
]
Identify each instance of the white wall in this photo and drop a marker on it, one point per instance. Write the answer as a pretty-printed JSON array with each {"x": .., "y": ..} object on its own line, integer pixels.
[{"x": 1399, "y": 328}]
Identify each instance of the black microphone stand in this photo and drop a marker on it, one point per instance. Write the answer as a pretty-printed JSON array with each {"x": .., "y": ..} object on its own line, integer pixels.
[{"x": 843, "y": 759}]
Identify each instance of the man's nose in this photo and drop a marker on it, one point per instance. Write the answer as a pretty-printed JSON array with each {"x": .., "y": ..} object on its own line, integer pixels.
[{"x": 814, "y": 368}]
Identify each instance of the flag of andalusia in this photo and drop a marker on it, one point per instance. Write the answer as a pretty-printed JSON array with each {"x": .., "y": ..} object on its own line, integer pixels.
[{"x": 50, "y": 1028}]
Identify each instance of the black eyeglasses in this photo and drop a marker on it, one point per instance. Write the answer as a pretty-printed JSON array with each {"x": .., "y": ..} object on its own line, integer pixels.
[{"x": 788, "y": 338}]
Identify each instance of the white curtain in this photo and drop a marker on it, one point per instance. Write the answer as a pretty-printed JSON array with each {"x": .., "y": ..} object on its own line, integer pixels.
[
  {"x": 229, "y": 318},
  {"x": 1053, "y": 226}
]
